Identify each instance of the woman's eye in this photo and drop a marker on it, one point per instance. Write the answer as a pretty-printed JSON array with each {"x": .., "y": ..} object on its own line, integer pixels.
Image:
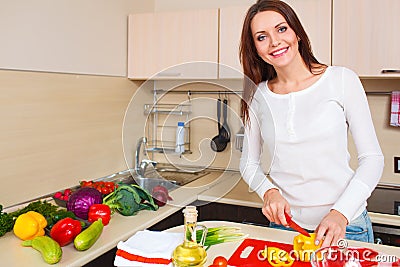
[
  {"x": 282, "y": 29},
  {"x": 261, "y": 37}
]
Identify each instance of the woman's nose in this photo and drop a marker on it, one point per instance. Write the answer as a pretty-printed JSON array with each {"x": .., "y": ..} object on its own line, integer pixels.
[{"x": 275, "y": 41}]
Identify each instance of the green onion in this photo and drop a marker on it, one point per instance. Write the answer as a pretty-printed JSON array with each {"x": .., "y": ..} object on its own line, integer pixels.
[{"x": 222, "y": 234}]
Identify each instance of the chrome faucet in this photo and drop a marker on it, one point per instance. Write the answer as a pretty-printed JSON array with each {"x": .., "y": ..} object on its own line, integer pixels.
[{"x": 140, "y": 166}]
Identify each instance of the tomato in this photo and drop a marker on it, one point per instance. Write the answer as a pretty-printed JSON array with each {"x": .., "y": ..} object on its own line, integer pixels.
[
  {"x": 109, "y": 184},
  {"x": 58, "y": 195},
  {"x": 86, "y": 183},
  {"x": 105, "y": 190},
  {"x": 67, "y": 192},
  {"x": 220, "y": 261}
]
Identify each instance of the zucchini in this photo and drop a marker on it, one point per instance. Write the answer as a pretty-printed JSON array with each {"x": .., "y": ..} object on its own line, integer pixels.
[
  {"x": 89, "y": 236},
  {"x": 48, "y": 247}
]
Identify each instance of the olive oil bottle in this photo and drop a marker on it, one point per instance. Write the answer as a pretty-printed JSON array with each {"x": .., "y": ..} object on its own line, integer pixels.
[{"x": 190, "y": 253}]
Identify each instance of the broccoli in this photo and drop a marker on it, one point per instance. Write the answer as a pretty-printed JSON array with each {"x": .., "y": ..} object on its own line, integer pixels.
[{"x": 129, "y": 199}]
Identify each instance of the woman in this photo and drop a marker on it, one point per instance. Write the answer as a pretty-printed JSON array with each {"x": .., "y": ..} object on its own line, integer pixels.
[{"x": 311, "y": 107}]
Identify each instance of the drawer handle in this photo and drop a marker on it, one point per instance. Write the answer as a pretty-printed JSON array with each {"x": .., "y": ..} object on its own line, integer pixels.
[
  {"x": 169, "y": 74},
  {"x": 388, "y": 71}
]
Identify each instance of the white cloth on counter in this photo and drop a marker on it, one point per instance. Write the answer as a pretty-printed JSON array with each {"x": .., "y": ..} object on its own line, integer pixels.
[
  {"x": 147, "y": 245},
  {"x": 395, "y": 109}
]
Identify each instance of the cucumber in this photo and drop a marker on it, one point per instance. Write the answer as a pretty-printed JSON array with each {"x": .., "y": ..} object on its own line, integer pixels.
[
  {"x": 48, "y": 247},
  {"x": 89, "y": 236}
]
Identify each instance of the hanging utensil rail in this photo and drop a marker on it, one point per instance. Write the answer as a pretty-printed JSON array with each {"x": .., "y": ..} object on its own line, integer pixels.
[
  {"x": 198, "y": 92},
  {"x": 378, "y": 93}
]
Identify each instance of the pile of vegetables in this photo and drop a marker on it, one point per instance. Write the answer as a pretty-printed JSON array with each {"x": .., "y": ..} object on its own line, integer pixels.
[
  {"x": 101, "y": 186},
  {"x": 7, "y": 220},
  {"x": 160, "y": 195},
  {"x": 49, "y": 249},
  {"x": 30, "y": 225},
  {"x": 81, "y": 200},
  {"x": 129, "y": 200},
  {"x": 65, "y": 230},
  {"x": 63, "y": 233},
  {"x": 72, "y": 225},
  {"x": 63, "y": 195}
]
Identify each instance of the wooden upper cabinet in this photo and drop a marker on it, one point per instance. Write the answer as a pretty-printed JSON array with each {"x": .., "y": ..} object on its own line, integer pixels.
[
  {"x": 366, "y": 36},
  {"x": 231, "y": 23},
  {"x": 315, "y": 16},
  {"x": 172, "y": 45}
]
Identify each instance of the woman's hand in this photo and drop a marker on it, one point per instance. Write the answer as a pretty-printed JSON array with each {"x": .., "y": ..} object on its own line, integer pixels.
[
  {"x": 333, "y": 227},
  {"x": 274, "y": 207}
]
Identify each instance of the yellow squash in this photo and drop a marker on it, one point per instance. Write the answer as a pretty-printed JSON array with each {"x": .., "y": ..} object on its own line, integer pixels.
[{"x": 30, "y": 225}]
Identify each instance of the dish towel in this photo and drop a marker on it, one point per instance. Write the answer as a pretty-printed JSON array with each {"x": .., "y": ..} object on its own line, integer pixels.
[
  {"x": 395, "y": 110},
  {"x": 148, "y": 249}
]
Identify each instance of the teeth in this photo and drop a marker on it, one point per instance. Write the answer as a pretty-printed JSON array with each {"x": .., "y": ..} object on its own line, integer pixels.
[{"x": 279, "y": 52}]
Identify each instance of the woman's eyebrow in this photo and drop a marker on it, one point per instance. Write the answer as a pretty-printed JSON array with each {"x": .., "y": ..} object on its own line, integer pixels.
[
  {"x": 279, "y": 24},
  {"x": 276, "y": 26}
]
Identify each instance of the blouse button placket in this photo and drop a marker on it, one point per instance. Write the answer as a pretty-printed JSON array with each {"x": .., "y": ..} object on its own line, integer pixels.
[{"x": 290, "y": 115}]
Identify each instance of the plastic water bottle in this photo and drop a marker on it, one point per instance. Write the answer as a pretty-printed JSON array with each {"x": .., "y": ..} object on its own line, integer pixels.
[{"x": 180, "y": 138}]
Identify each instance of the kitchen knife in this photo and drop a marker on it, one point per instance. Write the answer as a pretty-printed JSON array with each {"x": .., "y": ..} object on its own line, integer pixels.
[{"x": 295, "y": 226}]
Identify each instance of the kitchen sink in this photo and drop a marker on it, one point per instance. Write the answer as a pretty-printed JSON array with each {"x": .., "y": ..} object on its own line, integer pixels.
[
  {"x": 167, "y": 176},
  {"x": 178, "y": 176}
]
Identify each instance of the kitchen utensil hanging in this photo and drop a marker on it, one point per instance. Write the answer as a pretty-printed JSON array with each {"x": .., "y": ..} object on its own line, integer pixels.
[
  {"x": 225, "y": 131},
  {"x": 239, "y": 139},
  {"x": 218, "y": 143}
]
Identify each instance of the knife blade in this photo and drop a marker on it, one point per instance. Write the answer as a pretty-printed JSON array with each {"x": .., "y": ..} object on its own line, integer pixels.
[{"x": 295, "y": 226}]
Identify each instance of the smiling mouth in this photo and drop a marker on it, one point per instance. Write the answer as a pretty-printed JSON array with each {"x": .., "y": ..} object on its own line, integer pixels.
[{"x": 280, "y": 52}]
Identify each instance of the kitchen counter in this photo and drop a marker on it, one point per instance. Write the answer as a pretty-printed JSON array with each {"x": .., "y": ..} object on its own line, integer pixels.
[
  {"x": 226, "y": 188},
  {"x": 270, "y": 234},
  {"x": 120, "y": 228}
]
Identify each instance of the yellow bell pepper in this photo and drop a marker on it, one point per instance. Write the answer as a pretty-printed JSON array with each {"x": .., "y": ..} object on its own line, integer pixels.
[
  {"x": 277, "y": 257},
  {"x": 305, "y": 246},
  {"x": 30, "y": 225}
]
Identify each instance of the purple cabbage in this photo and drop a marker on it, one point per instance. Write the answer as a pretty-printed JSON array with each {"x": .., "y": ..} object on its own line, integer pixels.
[{"x": 81, "y": 200}]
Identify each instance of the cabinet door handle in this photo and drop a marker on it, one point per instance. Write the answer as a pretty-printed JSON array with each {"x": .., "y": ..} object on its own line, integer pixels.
[
  {"x": 388, "y": 71},
  {"x": 169, "y": 74}
]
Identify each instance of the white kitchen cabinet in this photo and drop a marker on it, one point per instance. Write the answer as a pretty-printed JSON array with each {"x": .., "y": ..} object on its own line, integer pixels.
[
  {"x": 366, "y": 36},
  {"x": 231, "y": 22},
  {"x": 172, "y": 45},
  {"x": 315, "y": 16},
  {"x": 63, "y": 36}
]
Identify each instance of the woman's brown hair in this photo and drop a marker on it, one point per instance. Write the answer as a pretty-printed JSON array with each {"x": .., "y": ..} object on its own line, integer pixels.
[{"x": 255, "y": 69}]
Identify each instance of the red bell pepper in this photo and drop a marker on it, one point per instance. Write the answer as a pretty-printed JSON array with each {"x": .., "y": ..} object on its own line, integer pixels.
[
  {"x": 65, "y": 230},
  {"x": 99, "y": 211}
]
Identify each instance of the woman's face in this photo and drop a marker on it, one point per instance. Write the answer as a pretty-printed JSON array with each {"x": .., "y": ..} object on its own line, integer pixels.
[{"x": 276, "y": 43}]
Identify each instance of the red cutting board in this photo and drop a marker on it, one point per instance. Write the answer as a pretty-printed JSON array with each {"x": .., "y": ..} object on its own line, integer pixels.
[{"x": 252, "y": 260}]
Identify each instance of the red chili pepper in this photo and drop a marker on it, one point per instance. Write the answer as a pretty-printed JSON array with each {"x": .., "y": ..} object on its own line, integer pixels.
[
  {"x": 99, "y": 211},
  {"x": 65, "y": 230}
]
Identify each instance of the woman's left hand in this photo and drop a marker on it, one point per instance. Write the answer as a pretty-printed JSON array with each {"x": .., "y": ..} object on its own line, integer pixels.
[{"x": 333, "y": 227}]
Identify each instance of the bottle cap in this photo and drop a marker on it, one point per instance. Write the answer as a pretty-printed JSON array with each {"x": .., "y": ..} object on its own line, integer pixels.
[{"x": 181, "y": 123}]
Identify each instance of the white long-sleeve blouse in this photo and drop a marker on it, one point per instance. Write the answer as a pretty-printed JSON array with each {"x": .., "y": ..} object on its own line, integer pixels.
[{"x": 306, "y": 133}]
